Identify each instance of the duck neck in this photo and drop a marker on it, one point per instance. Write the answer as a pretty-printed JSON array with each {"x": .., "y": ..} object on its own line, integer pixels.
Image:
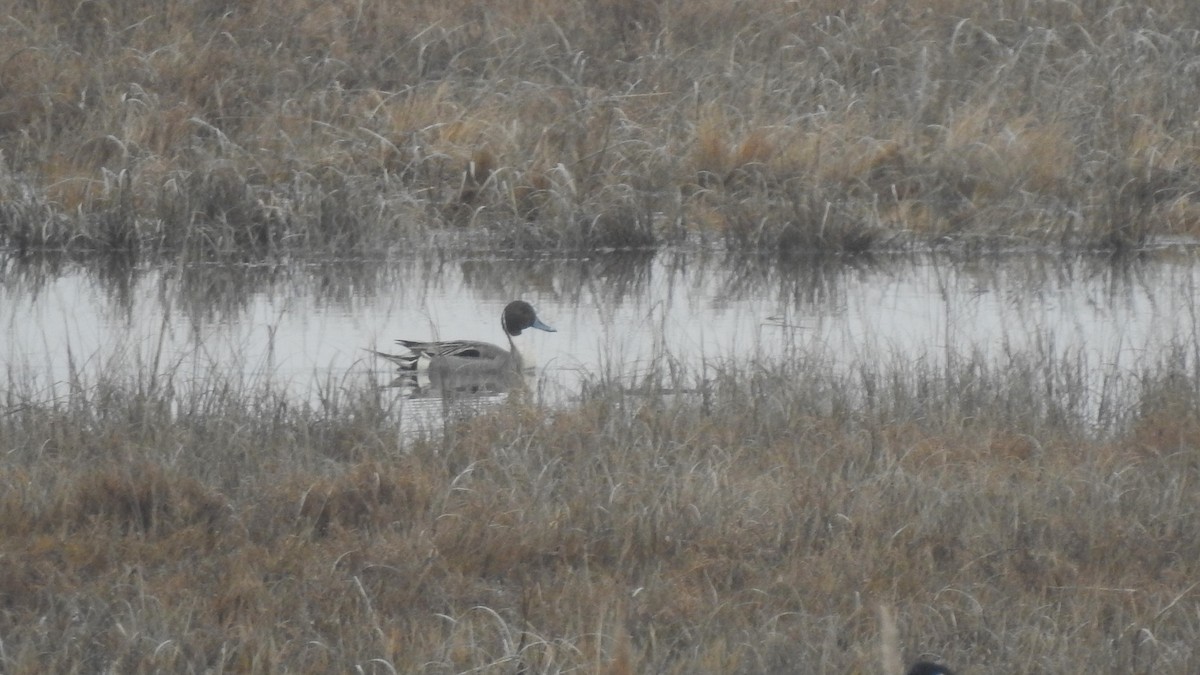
[
  {"x": 512, "y": 346},
  {"x": 512, "y": 349}
]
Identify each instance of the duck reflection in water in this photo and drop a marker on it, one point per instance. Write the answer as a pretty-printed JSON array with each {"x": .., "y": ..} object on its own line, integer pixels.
[{"x": 466, "y": 367}]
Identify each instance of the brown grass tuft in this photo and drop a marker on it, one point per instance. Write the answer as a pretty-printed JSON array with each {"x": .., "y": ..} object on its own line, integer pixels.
[
  {"x": 367, "y": 497},
  {"x": 140, "y": 499}
]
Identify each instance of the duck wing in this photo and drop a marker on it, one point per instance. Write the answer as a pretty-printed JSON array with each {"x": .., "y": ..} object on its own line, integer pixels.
[{"x": 465, "y": 349}]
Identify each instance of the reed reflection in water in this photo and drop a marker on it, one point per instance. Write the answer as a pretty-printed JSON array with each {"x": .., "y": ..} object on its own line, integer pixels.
[{"x": 306, "y": 326}]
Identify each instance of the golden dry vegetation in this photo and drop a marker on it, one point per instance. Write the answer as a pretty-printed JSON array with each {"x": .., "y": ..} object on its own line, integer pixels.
[
  {"x": 220, "y": 127},
  {"x": 757, "y": 526},
  {"x": 1007, "y": 517}
]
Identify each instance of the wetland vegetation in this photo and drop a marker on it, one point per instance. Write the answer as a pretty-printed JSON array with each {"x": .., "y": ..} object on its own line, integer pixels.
[
  {"x": 310, "y": 126},
  {"x": 1013, "y": 516},
  {"x": 755, "y": 525}
]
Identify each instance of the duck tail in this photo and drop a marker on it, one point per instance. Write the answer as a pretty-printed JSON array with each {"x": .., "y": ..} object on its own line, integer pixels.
[{"x": 407, "y": 361}]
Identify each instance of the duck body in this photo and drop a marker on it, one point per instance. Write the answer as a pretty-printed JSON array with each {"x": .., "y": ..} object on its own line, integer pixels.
[
  {"x": 455, "y": 354},
  {"x": 464, "y": 358}
]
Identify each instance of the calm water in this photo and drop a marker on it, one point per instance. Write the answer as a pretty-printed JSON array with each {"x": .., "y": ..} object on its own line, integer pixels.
[{"x": 305, "y": 326}]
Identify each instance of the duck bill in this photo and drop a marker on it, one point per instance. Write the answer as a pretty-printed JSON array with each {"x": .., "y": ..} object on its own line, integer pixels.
[{"x": 537, "y": 323}]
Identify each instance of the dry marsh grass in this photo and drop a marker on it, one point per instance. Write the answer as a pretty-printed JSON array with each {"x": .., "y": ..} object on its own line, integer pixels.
[
  {"x": 250, "y": 129},
  {"x": 756, "y": 525}
]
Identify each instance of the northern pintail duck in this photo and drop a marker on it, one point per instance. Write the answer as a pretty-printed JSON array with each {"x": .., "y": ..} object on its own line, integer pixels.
[{"x": 469, "y": 357}]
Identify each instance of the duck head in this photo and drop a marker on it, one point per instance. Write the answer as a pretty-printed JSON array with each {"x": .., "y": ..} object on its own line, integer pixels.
[{"x": 518, "y": 316}]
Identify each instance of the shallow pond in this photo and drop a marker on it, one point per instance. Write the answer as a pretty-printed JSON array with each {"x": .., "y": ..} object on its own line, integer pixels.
[{"x": 306, "y": 326}]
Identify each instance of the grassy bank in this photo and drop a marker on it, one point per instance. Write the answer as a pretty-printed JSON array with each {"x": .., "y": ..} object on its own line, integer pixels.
[
  {"x": 250, "y": 129},
  {"x": 755, "y": 525}
]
